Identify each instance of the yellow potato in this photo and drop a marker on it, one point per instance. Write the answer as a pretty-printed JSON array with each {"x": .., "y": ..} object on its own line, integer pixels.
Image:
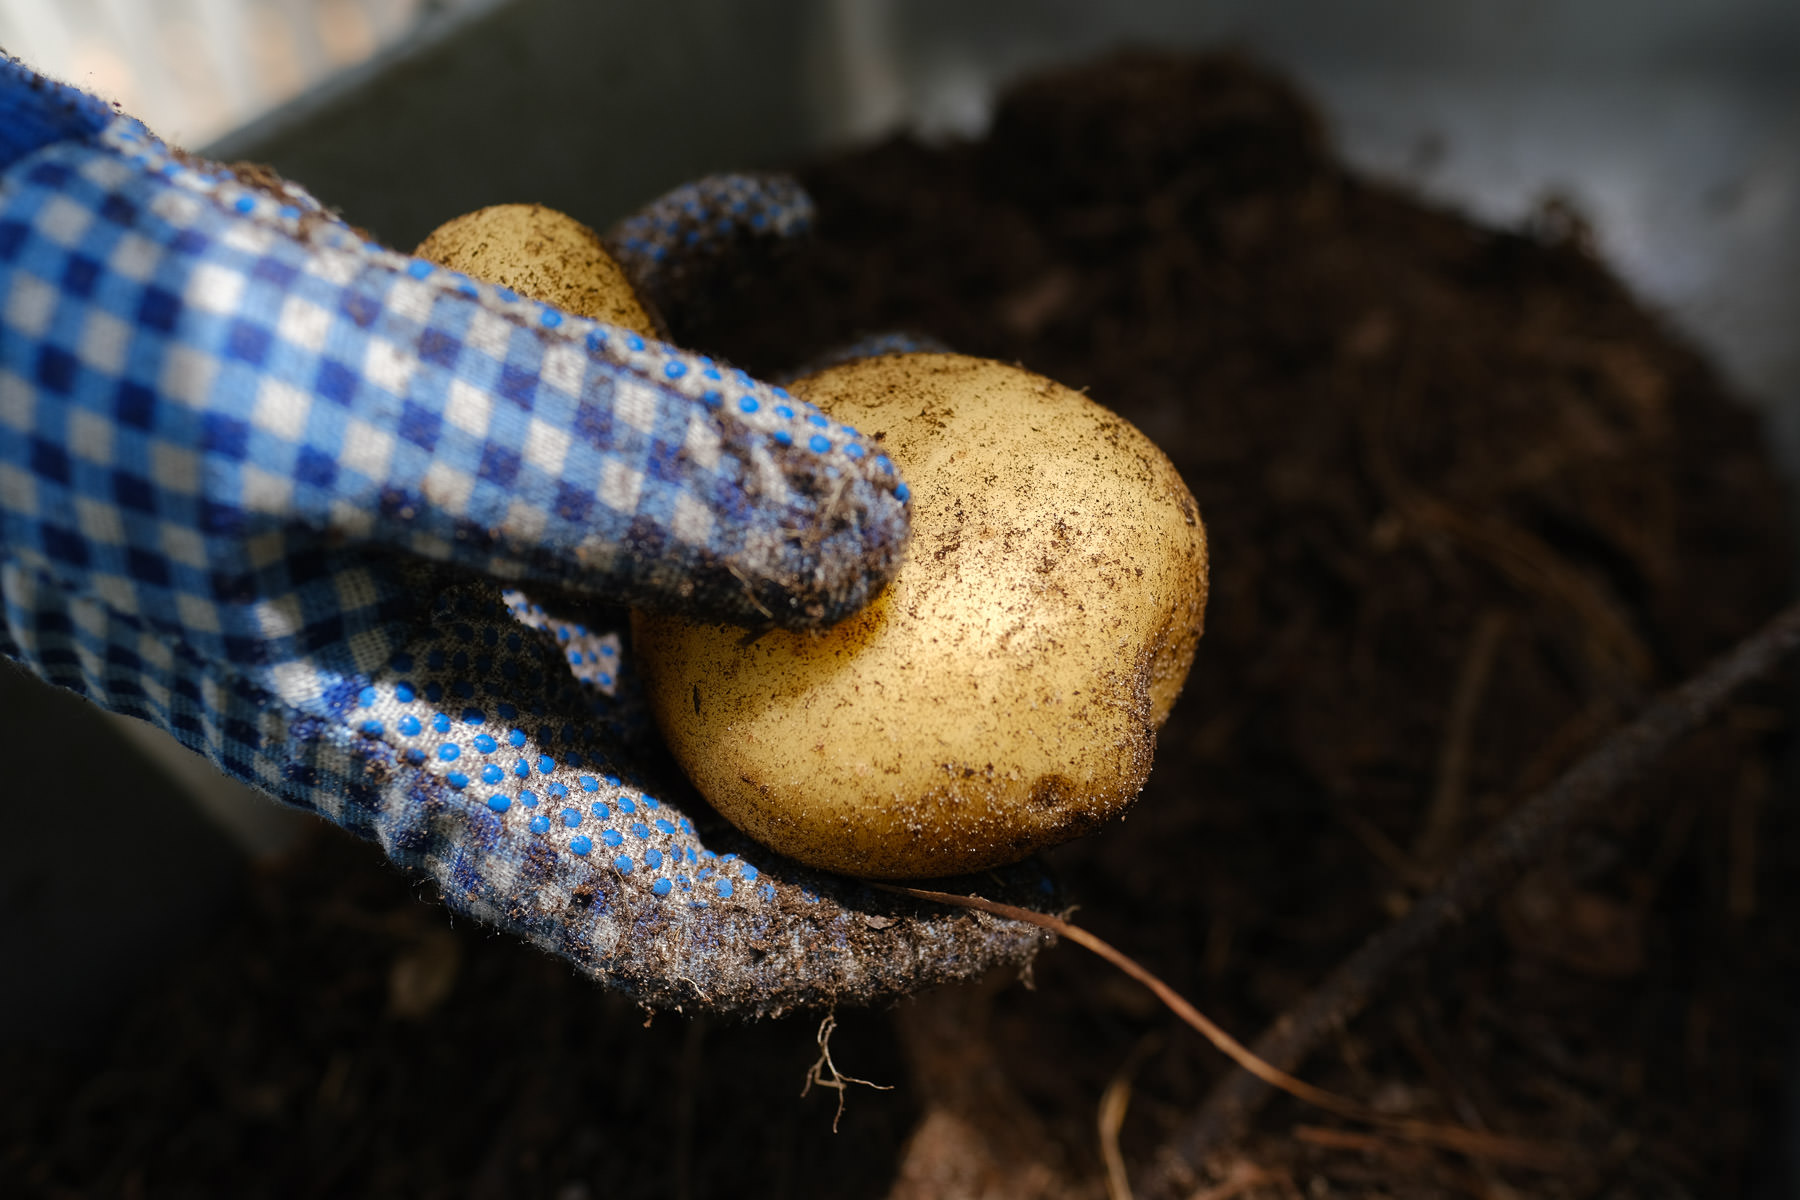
[
  {"x": 1003, "y": 693},
  {"x": 543, "y": 255}
]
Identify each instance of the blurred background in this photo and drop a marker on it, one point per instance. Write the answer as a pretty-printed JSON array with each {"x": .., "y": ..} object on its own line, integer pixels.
[
  {"x": 1672, "y": 125},
  {"x": 194, "y": 69}
]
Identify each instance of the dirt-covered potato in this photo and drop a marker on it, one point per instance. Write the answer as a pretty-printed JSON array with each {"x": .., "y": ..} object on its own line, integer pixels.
[
  {"x": 1003, "y": 693},
  {"x": 543, "y": 254}
]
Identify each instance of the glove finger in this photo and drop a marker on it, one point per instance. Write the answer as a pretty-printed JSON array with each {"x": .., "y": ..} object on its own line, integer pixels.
[
  {"x": 36, "y": 112},
  {"x": 253, "y": 365},
  {"x": 471, "y": 756},
  {"x": 708, "y": 236}
]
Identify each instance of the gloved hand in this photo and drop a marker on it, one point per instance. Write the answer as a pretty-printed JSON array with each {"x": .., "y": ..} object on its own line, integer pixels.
[{"x": 262, "y": 483}]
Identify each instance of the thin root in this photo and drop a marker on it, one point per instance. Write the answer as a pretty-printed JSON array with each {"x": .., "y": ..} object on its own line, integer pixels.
[
  {"x": 838, "y": 1080},
  {"x": 1452, "y": 1137},
  {"x": 1226, "y": 1044},
  {"x": 750, "y": 592},
  {"x": 1444, "y": 819},
  {"x": 1111, "y": 1118}
]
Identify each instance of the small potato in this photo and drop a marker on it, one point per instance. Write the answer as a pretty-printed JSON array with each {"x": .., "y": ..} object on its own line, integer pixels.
[
  {"x": 541, "y": 254},
  {"x": 1003, "y": 693}
]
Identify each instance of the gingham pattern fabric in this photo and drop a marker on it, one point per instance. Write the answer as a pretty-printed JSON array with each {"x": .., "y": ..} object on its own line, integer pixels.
[
  {"x": 260, "y": 482},
  {"x": 674, "y": 243}
]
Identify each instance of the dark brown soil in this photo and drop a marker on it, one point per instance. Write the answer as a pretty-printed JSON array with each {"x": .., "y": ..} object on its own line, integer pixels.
[{"x": 1434, "y": 460}]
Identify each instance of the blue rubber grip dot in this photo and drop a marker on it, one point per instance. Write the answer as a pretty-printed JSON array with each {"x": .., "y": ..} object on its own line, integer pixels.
[{"x": 583, "y": 845}]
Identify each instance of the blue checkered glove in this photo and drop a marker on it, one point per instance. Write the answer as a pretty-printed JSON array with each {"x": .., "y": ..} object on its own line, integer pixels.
[{"x": 269, "y": 486}]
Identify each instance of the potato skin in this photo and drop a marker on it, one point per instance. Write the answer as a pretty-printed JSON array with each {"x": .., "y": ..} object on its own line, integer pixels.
[
  {"x": 1003, "y": 693},
  {"x": 541, "y": 254}
]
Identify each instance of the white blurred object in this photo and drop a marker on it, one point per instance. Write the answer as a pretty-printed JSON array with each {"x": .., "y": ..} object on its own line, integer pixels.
[
  {"x": 860, "y": 92},
  {"x": 194, "y": 69}
]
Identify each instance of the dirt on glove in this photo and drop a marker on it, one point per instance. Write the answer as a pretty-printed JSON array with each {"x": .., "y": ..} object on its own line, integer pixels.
[{"x": 1469, "y": 502}]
